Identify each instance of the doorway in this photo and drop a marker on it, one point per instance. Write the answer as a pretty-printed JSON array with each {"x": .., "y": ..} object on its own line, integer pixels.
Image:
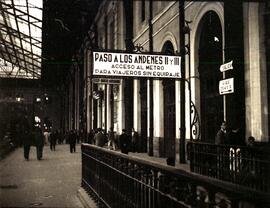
[
  {"x": 210, "y": 59},
  {"x": 169, "y": 108}
]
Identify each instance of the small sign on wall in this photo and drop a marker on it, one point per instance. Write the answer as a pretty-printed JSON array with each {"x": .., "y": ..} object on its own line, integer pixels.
[
  {"x": 226, "y": 86},
  {"x": 226, "y": 66}
]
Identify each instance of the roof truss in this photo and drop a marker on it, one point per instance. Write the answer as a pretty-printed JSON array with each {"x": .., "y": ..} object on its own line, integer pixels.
[{"x": 20, "y": 38}]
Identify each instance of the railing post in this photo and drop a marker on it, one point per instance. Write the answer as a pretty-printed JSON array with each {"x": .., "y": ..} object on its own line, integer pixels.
[
  {"x": 211, "y": 198},
  {"x": 155, "y": 196}
]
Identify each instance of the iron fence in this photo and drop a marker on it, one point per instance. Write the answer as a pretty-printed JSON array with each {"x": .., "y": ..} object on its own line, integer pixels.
[
  {"x": 118, "y": 180},
  {"x": 243, "y": 165}
]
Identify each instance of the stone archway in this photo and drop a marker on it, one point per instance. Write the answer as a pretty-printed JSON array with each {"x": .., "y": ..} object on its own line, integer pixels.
[{"x": 210, "y": 58}]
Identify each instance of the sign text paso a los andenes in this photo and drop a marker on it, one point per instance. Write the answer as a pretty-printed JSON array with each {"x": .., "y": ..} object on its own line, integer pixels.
[{"x": 136, "y": 65}]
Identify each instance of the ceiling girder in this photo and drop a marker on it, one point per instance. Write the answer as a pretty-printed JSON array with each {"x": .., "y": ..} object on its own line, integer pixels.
[
  {"x": 17, "y": 44},
  {"x": 9, "y": 51},
  {"x": 29, "y": 70},
  {"x": 11, "y": 7},
  {"x": 18, "y": 29},
  {"x": 14, "y": 33},
  {"x": 9, "y": 35},
  {"x": 19, "y": 50}
]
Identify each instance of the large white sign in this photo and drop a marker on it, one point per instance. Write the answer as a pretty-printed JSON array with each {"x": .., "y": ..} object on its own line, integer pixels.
[
  {"x": 136, "y": 65},
  {"x": 226, "y": 66},
  {"x": 226, "y": 86}
]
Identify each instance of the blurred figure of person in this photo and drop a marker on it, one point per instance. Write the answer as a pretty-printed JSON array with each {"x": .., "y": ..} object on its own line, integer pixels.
[
  {"x": 233, "y": 136},
  {"x": 135, "y": 141},
  {"x": 39, "y": 142},
  {"x": 60, "y": 137},
  {"x": 221, "y": 134},
  {"x": 46, "y": 136},
  {"x": 77, "y": 133},
  {"x": 53, "y": 138},
  {"x": 27, "y": 142},
  {"x": 124, "y": 142},
  {"x": 99, "y": 138},
  {"x": 111, "y": 139},
  {"x": 72, "y": 141},
  {"x": 217, "y": 161},
  {"x": 9, "y": 140},
  {"x": 90, "y": 137},
  {"x": 67, "y": 135},
  {"x": 251, "y": 141},
  {"x": 81, "y": 136}
]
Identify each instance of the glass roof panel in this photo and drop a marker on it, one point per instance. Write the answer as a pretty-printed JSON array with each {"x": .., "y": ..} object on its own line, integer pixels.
[{"x": 20, "y": 38}]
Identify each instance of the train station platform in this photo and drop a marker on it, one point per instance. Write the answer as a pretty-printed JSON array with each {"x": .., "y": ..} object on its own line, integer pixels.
[{"x": 53, "y": 181}]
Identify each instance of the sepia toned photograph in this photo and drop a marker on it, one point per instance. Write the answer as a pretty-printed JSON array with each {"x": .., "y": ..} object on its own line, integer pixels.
[{"x": 135, "y": 103}]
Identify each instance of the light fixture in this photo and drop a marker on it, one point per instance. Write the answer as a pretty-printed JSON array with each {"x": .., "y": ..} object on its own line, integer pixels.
[
  {"x": 216, "y": 39},
  {"x": 19, "y": 98},
  {"x": 97, "y": 94}
]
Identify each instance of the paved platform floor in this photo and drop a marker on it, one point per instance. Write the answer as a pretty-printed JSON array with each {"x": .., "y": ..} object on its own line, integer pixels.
[
  {"x": 159, "y": 160},
  {"x": 50, "y": 182}
]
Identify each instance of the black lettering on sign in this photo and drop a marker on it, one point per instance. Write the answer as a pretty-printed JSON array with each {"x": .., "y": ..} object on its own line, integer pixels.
[
  {"x": 96, "y": 56},
  {"x": 166, "y": 60},
  {"x": 176, "y": 61}
]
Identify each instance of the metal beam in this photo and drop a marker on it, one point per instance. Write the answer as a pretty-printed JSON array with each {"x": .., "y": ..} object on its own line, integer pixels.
[
  {"x": 21, "y": 59},
  {"x": 18, "y": 50},
  {"x": 11, "y": 7},
  {"x": 10, "y": 37},
  {"x": 17, "y": 47},
  {"x": 6, "y": 49},
  {"x": 29, "y": 29},
  {"x": 20, "y": 38},
  {"x": 14, "y": 33}
]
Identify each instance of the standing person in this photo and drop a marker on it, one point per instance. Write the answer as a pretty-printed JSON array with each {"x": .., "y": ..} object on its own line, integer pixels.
[
  {"x": 27, "y": 142},
  {"x": 77, "y": 133},
  {"x": 221, "y": 134},
  {"x": 60, "y": 137},
  {"x": 111, "y": 138},
  {"x": 39, "y": 142},
  {"x": 99, "y": 138},
  {"x": 250, "y": 141},
  {"x": 53, "y": 138},
  {"x": 124, "y": 142},
  {"x": 219, "y": 162},
  {"x": 135, "y": 141},
  {"x": 81, "y": 136},
  {"x": 46, "y": 136},
  {"x": 90, "y": 138},
  {"x": 72, "y": 141}
]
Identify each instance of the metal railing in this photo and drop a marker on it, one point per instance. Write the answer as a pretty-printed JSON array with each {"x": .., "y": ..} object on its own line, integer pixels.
[
  {"x": 243, "y": 165},
  {"x": 118, "y": 180}
]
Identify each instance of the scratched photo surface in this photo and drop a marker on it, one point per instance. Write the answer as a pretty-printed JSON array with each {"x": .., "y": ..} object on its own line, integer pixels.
[{"x": 134, "y": 103}]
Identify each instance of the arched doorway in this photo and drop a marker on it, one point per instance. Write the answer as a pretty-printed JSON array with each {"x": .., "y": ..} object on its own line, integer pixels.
[
  {"x": 210, "y": 59},
  {"x": 169, "y": 108}
]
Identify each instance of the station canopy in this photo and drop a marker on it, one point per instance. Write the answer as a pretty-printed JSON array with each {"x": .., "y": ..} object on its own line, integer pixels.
[{"x": 20, "y": 38}]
